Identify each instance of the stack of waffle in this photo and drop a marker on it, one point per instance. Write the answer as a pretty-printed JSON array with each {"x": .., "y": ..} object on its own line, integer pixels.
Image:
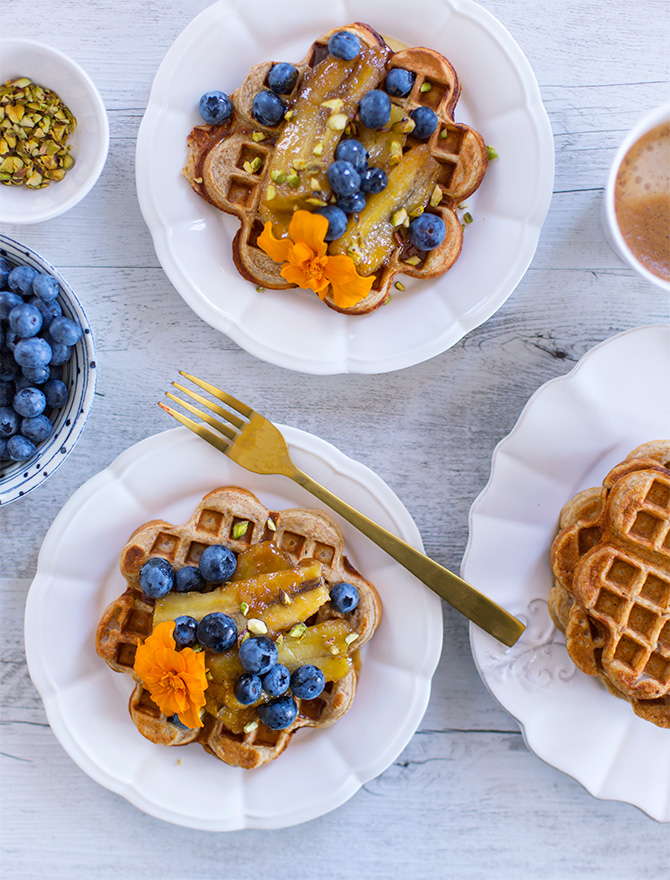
[
  {"x": 314, "y": 546},
  {"x": 611, "y": 598}
]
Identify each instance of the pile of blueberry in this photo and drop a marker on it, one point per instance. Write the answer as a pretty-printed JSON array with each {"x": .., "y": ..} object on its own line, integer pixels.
[
  {"x": 218, "y": 632},
  {"x": 36, "y": 340}
]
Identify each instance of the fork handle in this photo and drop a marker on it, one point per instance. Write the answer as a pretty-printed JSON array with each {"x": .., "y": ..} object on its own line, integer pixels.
[{"x": 453, "y": 589}]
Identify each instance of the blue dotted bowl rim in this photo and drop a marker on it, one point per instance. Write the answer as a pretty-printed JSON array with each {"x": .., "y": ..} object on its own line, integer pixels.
[{"x": 20, "y": 477}]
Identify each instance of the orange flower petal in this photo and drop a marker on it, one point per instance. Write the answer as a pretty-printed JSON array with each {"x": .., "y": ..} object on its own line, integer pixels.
[
  {"x": 349, "y": 288},
  {"x": 301, "y": 278},
  {"x": 310, "y": 229},
  {"x": 276, "y": 248},
  {"x": 300, "y": 253}
]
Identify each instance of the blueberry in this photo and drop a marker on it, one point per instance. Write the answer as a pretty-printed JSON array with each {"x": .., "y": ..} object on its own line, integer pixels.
[
  {"x": 276, "y": 681},
  {"x": 20, "y": 448},
  {"x": 248, "y": 688},
  {"x": 29, "y": 402},
  {"x": 20, "y": 279},
  {"x": 307, "y": 682},
  {"x": 373, "y": 180},
  {"x": 217, "y": 564},
  {"x": 258, "y": 654},
  {"x": 45, "y": 287},
  {"x": 217, "y": 632},
  {"x": 174, "y": 719},
  {"x": 6, "y": 392},
  {"x": 64, "y": 331},
  {"x": 8, "y": 367},
  {"x": 354, "y": 152},
  {"x": 36, "y": 375},
  {"x": 374, "y": 109},
  {"x": 425, "y": 122},
  {"x": 36, "y": 429},
  {"x": 8, "y": 301},
  {"x": 282, "y": 78},
  {"x": 60, "y": 354},
  {"x": 5, "y": 269},
  {"x": 278, "y": 714},
  {"x": 184, "y": 632},
  {"x": 215, "y": 107},
  {"x": 4, "y": 455},
  {"x": 12, "y": 339},
  {"x": 33, "y": 352},
  {"x": 55, "y": 393},
  {"x": 427, "y": 231},
  {"x": 48, "y": 310},
  {"x": 9, "y": 422},
  {"x": 25, "y": 320},
  {"x": 337, "y": 221},
  {"x": 343, "y": 178},
  {"x": 268, "y": 108},
  {"x": 188, "y": 578},
  {"x": 352, "y": 204},
  {"x": 156, "y": 577},
  {"x": 399, "y": 82},
  {"x": 344, "y": 597},
  {"x": 344, "y": 45}
]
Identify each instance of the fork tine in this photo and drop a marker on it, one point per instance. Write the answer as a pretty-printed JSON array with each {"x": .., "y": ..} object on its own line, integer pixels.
[
  {"x": 219, "y": 426},
  {"x": 219, "y": 410},
  {"x": 201, "y": 431},
  {"x": 228, "y": 399}
]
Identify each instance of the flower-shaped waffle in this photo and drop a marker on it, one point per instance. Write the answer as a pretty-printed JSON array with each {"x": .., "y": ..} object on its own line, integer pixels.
[
  {"x": 287, "y": 561},
  {"x": 611, "y": 559},
  {"x": 263, "y": 174}
]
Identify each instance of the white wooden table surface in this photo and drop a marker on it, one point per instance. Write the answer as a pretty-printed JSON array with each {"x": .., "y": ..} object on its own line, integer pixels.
[{"x": 466, "y": 798}]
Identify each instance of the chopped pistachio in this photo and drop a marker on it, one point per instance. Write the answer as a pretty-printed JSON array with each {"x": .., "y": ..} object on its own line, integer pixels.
[
  {"x": 289, "y": 115},
  {"x": 395, "y": 153},
  {"x": 293, "y": 179},
  {"x": 334, "y": 649},
  {"x": 399, "y": 285},
  {"x": 467, "y": 217},
  {"x": 258, "y": 136},
  {"x": 284, "y": 598},
  {"x": 240, "y": 528},
  {"x": 270, "y": 194},
  {"x": 397, "y": 113},
  {"x": 417, "y": 212},
  {"x": 197, "y": 180},
  {"x": 444, "y": 134},
  {"x": 399, "y": 217},
  {"x": 299, "y": 164},
  {"x": 436, "y": 196},
  {"x": 335, "y": 104},
  {"x": 491, "y": 152},
  {"x": 250, "y": 726},
  {"x": 256, "y": 626},
  {"x": 426, "y": 86},
  {"x": 314, "y": 184},
  {"x": 319, "y": 203},
  {"x": 405, "y": 126},
  {"x": 318, "y": 149},
  {"x": 254, "y": 166},
  {"x": 387, "y": 300},
  {"x": 279, "y": 641},
  {"x": 278, "y": 176},
  {"x": 244, "y": 607},
  {"x": 350, "y": 638},
  {"x": 271, "y": 524},
  {"x": 337, "y": 122},
  {"x": 260, "y": 290},
  {"x": 462, "y": 206},
  {"x": 298, "y": 631},
  {"x": 412, "y": 261}
]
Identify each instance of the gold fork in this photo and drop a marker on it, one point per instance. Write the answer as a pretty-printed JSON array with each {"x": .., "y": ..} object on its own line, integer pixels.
[{"x": 256, "y": 444}]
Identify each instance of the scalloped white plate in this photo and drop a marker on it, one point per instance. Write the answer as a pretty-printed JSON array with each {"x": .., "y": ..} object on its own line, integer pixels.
[
  {"x": 572, "y": 431},
  {"x": 87, "y": 704},
  {"x": 292, "y": 329}
]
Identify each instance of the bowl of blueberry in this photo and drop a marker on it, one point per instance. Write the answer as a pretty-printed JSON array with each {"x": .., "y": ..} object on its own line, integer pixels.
[{"x": 47, "y": 369}]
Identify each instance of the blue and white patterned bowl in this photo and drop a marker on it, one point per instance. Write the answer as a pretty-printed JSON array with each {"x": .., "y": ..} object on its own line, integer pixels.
[{"x": 79, "y": 374}]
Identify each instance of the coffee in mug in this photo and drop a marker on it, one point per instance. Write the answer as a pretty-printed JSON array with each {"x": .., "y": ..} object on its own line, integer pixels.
[{"x": 642, "y": 200}]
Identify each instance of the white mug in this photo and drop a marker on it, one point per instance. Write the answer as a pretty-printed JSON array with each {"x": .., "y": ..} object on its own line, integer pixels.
[{"x": 648, "y": 122}]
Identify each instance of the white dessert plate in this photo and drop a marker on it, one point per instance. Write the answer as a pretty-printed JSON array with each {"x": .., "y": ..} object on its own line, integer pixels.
[
  {"x": 572, "y": 431},
  {"x": 87, "y": 703},
  {"x": 292, "y": 329}
]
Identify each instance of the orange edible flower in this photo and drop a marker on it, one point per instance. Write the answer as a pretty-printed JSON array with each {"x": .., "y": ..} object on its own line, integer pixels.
[
  {"x": 307, "y": 264},
  {"x": 175, "y": 679}
]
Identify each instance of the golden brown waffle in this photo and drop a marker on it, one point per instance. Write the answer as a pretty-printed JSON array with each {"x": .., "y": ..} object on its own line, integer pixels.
[
  {"x": 300, "y": 534},
  {"x": 611, "y": 559},
  {"x": 454, "y": 158}
]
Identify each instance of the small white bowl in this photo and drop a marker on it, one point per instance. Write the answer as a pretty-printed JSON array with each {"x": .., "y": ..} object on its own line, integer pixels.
[
  {"x": 17, "y": 478},
  {"x": 89, "y": 141}
]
